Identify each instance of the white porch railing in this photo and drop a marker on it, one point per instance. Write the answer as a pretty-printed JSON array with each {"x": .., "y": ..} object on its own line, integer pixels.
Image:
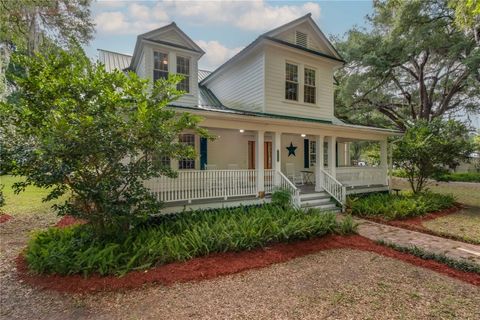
[
  {"x": 334, "y": 187},
  {"x": 204, "y": 184},
  {"x": 285, "y": 183},
  {"x": 362, "y": 176},
  {"x": 269, "y": 181}
]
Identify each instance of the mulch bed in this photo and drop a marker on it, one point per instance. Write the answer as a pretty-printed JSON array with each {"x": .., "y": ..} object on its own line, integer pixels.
[
  {"x": 68, "y": 221},
  {"x": 220, "y": 264},
  {"x": 416, "y": 223},
  {"x": 5, "y": 217}
]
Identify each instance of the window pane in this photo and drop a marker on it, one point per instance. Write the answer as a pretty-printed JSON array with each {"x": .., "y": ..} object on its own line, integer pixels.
[
  {"x": 159, "y": 75},
  {"x": 160, "y": 61},
  {"x": 184, "y": 84},
  {"x": 310, "y": 77},
  {"x": 313, "y": 152},
  {"x": 183, "y": 66},
  {"x": 291, "y": 73},
  {"x": 309, "y": 94},
  {"x": 185, "y": 163},
  {"x": 291, "y": 91}
]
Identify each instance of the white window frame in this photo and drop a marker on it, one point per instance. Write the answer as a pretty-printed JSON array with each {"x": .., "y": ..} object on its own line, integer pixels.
[
  {"x": 291, "y": 81},
  {"x": 160, "y": 70},
  {"x": 308, "y": 85},
  {"x": 187, "y": 163},
  {"x": 188, "y": 76}
]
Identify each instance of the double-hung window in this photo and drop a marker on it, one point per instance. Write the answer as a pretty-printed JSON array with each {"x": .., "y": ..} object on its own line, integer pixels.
[
  {"x": 189, "y": 140},
  {"x": 160, "y": 65},
  {"x": 183, "y": 68},
  {"x": 309, "y": 93},
  {"x": 291, "y": 82}
]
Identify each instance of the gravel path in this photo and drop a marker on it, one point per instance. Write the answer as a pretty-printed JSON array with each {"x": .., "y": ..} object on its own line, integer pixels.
[{"x": 337, "y": 284}]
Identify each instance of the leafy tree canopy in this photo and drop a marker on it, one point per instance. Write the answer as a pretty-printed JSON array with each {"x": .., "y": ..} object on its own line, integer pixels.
[
  {"x": 413, "y": 63},
  {"x": 96, "y": 135},
  {"x": 428, "y": 148}
]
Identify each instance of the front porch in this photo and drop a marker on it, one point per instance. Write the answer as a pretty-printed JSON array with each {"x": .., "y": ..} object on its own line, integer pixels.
[{"x": 244, "y": 166}]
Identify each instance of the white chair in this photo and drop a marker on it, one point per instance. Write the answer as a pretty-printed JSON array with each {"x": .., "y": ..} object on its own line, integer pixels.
[
  {"x": 292, "y": 175},
  {"x": 232, "y": 166}
]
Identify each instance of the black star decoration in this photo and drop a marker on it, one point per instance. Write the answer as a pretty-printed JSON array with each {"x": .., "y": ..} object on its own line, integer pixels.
[{"x": 291, "y": 150}]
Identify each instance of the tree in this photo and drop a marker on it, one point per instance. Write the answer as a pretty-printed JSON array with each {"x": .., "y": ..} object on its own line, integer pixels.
[
  {"x": 428, "y": 148},
  {"x": 29, "y": 23},
  {"x": 95, "y": 135},
  {"x": 413, "y": 64},
  {"x": 467, "y": 16}
]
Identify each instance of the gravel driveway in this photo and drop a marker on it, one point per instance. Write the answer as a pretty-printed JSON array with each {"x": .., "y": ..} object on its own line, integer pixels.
[{"x": 337, "y": 284}]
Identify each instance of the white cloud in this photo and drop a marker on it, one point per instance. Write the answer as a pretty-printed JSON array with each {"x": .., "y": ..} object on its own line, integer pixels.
[
  {"x": 215, "y": 54},
  {"x": 137, "y": 19},
  {"x": 256, "y": 15}
]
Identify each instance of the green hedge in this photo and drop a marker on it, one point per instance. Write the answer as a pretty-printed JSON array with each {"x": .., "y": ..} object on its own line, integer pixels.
[
  {"x": 405, "y": 205},
  {"x": 176, "y": 238},
  {"x": 461, "y": 177}
]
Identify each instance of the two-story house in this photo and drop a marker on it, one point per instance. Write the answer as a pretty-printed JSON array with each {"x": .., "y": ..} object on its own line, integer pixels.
[{"x": 271, "y": 107}]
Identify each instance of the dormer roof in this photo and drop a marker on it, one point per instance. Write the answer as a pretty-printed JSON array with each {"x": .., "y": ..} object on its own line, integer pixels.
[{"x": 169, "y": 36}]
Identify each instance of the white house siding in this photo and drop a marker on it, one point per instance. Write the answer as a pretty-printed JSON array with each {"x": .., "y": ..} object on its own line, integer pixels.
[
  {"x": 241, "y": 86},
  {"x": 141, "y": 67},
  {"x": 275, "y": 60},
  {"x": 190, "y": 99},
  {"x": 230, "y": 147}
]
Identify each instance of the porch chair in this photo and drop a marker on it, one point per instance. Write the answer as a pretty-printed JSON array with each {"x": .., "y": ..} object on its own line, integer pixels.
[{"x": 292, "y": 175}]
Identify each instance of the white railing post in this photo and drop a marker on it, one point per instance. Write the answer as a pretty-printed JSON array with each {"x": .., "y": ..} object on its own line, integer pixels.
[
  {"x": 319, "y": 163},
  {"x": 259, "y": 165},
  {"x": 277, "y": 157}
]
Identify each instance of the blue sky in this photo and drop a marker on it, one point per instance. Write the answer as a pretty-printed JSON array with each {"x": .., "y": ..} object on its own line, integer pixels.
[{"x": 221, "y": 28}]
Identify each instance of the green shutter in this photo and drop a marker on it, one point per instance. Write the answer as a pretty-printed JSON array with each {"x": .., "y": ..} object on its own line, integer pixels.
[
  {"x": 203, "y": 153},
  {"x": 306, "y": 154}
]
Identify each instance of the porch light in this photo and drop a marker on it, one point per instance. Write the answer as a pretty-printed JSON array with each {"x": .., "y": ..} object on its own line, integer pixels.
[
  {"x": 303, "y": 135},
  {"x": 241, "y": 131}
]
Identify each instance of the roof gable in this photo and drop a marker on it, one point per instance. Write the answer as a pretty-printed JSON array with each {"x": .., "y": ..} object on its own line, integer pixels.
[
  {"x": 317, "y": 40},
  {"x": 172, "y": 34}
]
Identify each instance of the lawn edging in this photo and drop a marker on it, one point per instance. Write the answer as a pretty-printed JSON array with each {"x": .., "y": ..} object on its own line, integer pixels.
[
  {"x": 415, "y": 223},
  {"x": 221, "y": 264}
]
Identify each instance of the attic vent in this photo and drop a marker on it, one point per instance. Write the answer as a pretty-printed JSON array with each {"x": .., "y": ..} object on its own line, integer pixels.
[{"x": 301, "y": 39}]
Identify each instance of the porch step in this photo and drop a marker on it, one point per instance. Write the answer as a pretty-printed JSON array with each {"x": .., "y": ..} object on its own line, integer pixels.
[{"x": 319, "y": 200}]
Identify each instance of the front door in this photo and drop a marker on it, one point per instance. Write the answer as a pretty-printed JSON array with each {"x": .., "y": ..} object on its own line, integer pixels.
[{"x": 267, "y": 155}]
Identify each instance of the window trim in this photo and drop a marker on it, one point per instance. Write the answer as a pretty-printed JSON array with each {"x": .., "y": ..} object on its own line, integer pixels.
[
  {"x": 189, "y": 75},
  {"x": 194, "y": 145},
  {"x": 159, "y": 70},
  {"x": 312, "y": 161},
  {"x": 307, "y": 85},
  {"x": 287, "y": 62}
]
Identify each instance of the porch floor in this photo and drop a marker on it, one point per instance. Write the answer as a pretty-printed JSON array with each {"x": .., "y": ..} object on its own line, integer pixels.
[{"x": 212, "y": 203}]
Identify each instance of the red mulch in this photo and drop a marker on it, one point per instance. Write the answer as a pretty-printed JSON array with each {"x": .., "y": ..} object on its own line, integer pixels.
[
  {"x": 68, "y": 221},
  {"x": 215, "y": 265},
  {"x": 5, "y": 217}
]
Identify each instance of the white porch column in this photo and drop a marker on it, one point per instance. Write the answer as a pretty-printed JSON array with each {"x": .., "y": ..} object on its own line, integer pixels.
[
  {"x": 259, "y": 165},
  {"x": 384, "y": 158},
  {"x": 332, "y": 156},
  {"x": 319, "y": 163},
  {"x": 277, "y": 157}
]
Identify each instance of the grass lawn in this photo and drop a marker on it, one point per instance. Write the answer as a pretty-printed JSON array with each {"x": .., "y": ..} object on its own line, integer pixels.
[
  {"x": 27, "y": 202},
  {"x": 464, "y": 224}
]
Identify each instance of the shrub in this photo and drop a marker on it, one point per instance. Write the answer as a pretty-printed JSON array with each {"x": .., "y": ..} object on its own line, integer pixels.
[
  {"x": 347, "y": 225},
  {"x": 390, "y": 207},
  {"x": 463, "y": 177},
  {"x": 282, "y": 198},
  {"x": 174, "y": 238}
]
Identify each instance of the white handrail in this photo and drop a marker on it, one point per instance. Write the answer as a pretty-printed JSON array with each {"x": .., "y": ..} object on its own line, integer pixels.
[
  {"x": 285, "y": 183},
  {"x": 204, "y": 184},
  {"x": 334, "y": 187}
]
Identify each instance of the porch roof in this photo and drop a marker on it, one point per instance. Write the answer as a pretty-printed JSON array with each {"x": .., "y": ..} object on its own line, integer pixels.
[{"x": 208, "y": 103}]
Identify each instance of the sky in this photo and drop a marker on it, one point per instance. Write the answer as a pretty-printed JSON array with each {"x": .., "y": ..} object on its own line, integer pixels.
[{"x": 220, "y": 28}]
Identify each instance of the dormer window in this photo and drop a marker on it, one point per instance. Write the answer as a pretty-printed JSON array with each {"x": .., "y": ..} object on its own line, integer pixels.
[
  {"x": 183, "y": 68},
  {"x": 301, "y": 39},
  {"x": 160, "y": 65}
]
